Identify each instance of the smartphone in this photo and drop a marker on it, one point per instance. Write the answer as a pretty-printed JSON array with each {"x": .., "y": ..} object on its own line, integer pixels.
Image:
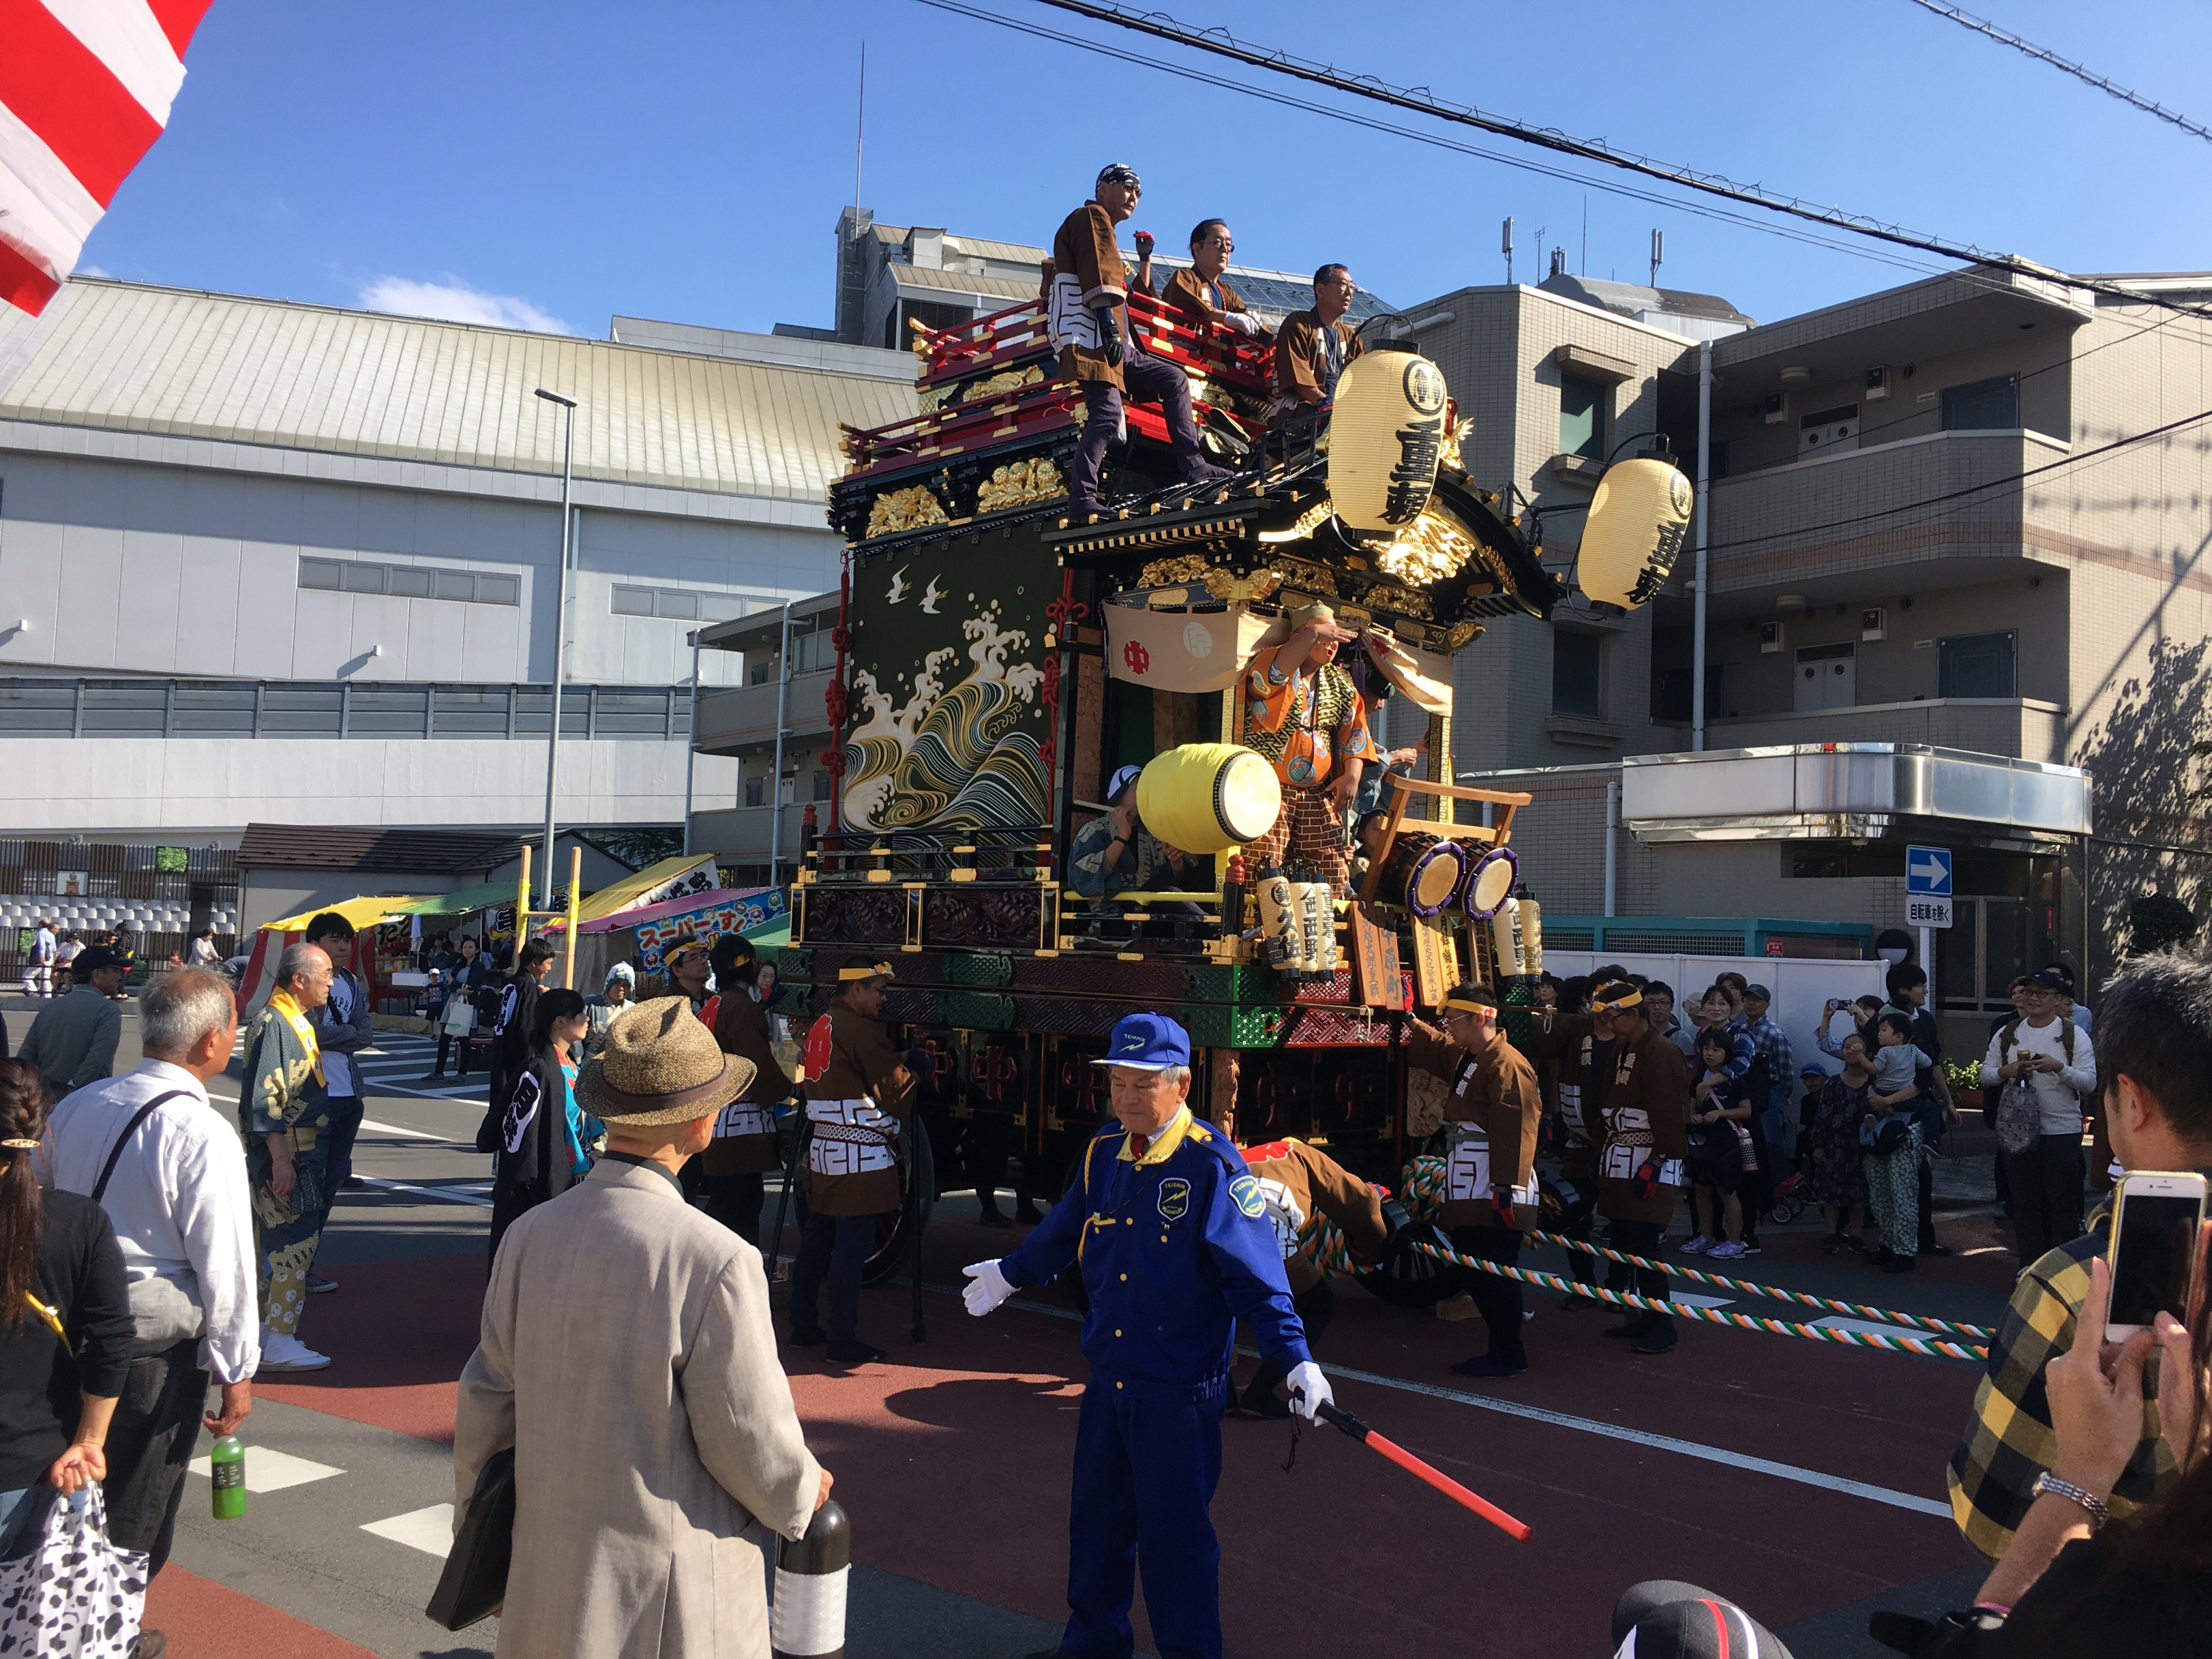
[{"x": 2152, "y": 1256}]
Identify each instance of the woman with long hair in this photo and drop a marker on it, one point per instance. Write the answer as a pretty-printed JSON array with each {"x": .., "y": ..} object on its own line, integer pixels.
[
  {"x": 542, "y": 1136},
  {"x": 744, "y": 1149},
  {"x": 66, "y": 1327}
]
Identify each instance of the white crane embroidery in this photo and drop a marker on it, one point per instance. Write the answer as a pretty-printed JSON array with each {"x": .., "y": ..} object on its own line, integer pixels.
[
  {"x": 930, "y": 596},
  {"x": 898, "y": 584}
]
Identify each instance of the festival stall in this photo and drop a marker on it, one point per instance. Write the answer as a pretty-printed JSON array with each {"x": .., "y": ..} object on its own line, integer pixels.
[
  {"x": 643, "y": 936},
  {"x": 259, "y": 978}
]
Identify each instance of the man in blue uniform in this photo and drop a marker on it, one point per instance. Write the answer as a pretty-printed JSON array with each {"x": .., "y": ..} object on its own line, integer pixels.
[{"x": 1170, "y": 1231}]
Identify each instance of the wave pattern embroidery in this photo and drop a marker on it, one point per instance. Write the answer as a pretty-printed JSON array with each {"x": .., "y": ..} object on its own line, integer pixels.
[{"x": 950, "y": 759}]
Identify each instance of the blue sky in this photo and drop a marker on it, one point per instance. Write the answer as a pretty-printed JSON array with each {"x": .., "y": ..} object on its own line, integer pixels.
[{"x": 552, "y": 164}]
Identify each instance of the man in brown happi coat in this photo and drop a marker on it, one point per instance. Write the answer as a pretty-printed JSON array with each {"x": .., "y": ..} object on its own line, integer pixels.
[
  {"x": 1639, "y": 1163},
  {"x": 1312, "y": 347},
  {"x": 1295, "y": 1181},
  {"x": 1492, "y": 1118},
  {"x": 1087, "y": 317},
  {"x": 859, "y": 1091}
]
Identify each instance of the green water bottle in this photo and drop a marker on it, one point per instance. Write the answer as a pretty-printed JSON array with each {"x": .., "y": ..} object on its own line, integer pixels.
[{"x": 227, "y": 1463}]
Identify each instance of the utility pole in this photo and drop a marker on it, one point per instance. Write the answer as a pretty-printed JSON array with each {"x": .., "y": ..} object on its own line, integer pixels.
[{"x": 560, "y": 634}]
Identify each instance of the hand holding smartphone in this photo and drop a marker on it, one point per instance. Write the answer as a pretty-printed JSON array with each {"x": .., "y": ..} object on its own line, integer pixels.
[{"x": 2153, "y": 1254}]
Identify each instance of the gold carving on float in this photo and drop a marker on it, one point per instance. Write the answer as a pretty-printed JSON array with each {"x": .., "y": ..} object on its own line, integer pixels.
[
  {"x": 1012, "y": 380},
  {"x": 1184, "y": 567},
  {"x": 1427, "y": 551},
  {"x": 1448, "y": 453},
  {"x": 1302, "y": 526},
  {"x": 911, "y": 508},
  {"x": 1255, "y": 587},
  {"x": 1019, "y": 482},
  {"x": 1311, "y": 578},
  {"x": 1385, "y": 596},
  {"x": 1461, "y": 633}
]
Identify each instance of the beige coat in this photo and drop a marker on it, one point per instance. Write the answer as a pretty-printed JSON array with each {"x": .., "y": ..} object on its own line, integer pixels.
[{"x": 627, "y": 1354}]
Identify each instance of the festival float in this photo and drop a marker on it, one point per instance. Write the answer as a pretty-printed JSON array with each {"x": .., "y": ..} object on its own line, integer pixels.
[{"x": 997, "y": 660}]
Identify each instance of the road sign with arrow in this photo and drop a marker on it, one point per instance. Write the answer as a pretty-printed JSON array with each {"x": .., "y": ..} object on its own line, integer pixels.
[{"x": 1927, "y": 886}]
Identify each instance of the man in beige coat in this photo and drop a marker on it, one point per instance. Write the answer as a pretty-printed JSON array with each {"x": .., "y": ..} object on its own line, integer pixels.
[{"x": 627, "y": 1355}]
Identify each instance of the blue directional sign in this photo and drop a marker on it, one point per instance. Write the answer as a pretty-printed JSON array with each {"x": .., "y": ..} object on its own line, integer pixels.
[{"x": 1928, "y": 870}]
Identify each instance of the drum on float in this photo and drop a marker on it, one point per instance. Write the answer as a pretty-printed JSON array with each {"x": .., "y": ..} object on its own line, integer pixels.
[
  {"x": 1490, "y": 883},
  {"x": 1422, "y": 872},
  {"x": 1208, "y": 797}
]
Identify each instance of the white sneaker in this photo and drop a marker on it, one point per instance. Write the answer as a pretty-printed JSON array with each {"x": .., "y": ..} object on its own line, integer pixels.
[{"x": 289, "y": 1353}]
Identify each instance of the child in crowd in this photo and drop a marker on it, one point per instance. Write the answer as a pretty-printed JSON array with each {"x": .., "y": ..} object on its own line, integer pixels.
[
  {"x": 1895, "y": 1060},
  {"x": 1814, "y": 1080},
  {"x": 1715, "y": 1164}
]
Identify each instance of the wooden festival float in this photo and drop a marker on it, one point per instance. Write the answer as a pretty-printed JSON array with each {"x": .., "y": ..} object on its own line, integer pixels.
[{"x": 997, "y": 661}]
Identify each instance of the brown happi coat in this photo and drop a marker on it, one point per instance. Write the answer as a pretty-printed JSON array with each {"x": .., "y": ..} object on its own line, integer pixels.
[
  {"x": 1085, "y": 248},
  {"x": 1647, "y": 1114},
  {"x": 1569, "y": 1045},
  {"x": 1186, "y": 297},
  {"x": 740, "y": 1028},
  {"x": 861, "y": 1062},
  {"x": 1298, "y": 357},
  {"x": 1294, "y": 1180},
  {"x": 1493, "y": 1088}
]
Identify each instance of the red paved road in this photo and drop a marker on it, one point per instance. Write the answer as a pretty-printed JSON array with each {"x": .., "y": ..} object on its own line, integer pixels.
[
  {"x": 201, "y": 1617},
  {"x": 954, "y": 1460}
]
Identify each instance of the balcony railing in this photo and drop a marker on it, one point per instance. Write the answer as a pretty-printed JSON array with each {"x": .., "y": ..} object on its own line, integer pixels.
[
  {"x": 1844, "y": 511},
  {"x": 2026, "y": 728},
  {"x": 323, "y": 708},
  {"x": 741, "y": 714}
]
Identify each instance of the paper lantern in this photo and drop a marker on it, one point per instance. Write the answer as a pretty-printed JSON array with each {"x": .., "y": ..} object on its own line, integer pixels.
[
  {"x": 1634, "y": 531},
  {"x": 1383, "y": 437}
]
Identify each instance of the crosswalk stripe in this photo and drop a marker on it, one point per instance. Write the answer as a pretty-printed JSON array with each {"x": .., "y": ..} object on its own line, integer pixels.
[
  {"x": 429, "y": 1530},
  {"x": 448, "y": 1194},
  {"x": 269, "y": 1470}
]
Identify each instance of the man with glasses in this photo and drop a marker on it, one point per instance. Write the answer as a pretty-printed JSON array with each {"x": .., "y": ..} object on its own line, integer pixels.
[
  {"x": 1087, "y": 317},
  {"x": 1201, "y": 295},
  {"x": 1312, "y": 347}
]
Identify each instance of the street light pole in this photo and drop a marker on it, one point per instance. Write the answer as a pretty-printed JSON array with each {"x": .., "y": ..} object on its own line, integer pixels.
[{"x": 560, "y": 633}]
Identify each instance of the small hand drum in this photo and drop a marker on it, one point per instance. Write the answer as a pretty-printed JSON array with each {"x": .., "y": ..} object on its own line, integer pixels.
[
  {"x": 1490, "y": 884},
  {"x": 1422, "y": 872}
]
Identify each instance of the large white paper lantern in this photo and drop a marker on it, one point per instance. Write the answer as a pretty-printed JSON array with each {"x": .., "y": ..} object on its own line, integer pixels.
[
  {"x": 1634, "y": 531},
  {"x": 1384, "y": 435}
]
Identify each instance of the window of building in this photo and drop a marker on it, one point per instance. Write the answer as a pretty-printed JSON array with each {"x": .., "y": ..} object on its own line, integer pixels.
[
  {"x": 1674, "y": 686},
  {"x": 821, "y": 783},
  {"x": 409, "y": 581},
  {"x": 813, "y": 652},
  {"x": 1577, "y": 660},
  {"x": 1584, "y": 406},
  {"x": 756, "y": 791},
  {"x": 1990, "y": 405},
  {"x": 1978, "y": 666},
  {"x": 678, "y": 603}
]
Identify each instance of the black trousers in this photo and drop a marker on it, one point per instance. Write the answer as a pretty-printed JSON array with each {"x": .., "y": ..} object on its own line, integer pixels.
[
  {"x": 1927, "y": 1202},
  {"x": 2046, "y": 1194},
  {"x": 836, "y": 1247},
  {"x": 735, "y": 1201},
  {"x": 1316, "y": 1309},
  {"x": 1638, "y": 1238},
  {"x": 150, "y": 1445},
  {"x": 1150, "y": 380},
  {"x": 1497, "y": 1296}
]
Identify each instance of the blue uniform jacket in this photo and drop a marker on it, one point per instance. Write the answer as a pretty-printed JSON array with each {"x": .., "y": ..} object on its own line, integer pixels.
[{"x": 1174, "y": 1250}]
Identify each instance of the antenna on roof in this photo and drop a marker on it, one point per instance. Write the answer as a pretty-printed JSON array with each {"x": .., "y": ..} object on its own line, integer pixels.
[
  {"x": 1658, "y": 254},
  {"x": 859, "y": 130},
  {"x": 1506, "y": 248}
]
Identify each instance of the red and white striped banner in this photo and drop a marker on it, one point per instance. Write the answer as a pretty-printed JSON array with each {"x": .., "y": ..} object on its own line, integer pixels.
[{"x": 85, "y": 90}]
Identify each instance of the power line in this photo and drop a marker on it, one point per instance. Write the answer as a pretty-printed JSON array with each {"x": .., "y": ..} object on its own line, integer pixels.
[
  {"x": 1420, "y": 100},
  {"x": 2066, "y": 65}
]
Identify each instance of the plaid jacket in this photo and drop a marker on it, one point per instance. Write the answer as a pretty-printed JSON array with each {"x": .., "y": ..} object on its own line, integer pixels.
[{"x": 2010, "y": 1441}]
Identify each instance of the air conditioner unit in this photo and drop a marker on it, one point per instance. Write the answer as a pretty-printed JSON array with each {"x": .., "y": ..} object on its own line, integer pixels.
[
  {"x": 1877, "y": 385},
  {"x": 1874, "y": 623},
  {"x": 1829, "y": 429},
  {"x": 1775, "y": 407},
  {"x": 1770, "y": 637}
]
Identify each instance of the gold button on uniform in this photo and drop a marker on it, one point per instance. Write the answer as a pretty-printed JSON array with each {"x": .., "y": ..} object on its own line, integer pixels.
[
  {"x": 1125, "y": 1279},
  {"x": 1117, "y": 1385},
  {"x": 1117, "y": 1333}
]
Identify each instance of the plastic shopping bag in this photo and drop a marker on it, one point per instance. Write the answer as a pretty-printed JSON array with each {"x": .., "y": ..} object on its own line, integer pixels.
[
  {"x": 75, "y": 1596},
  {"x": 2019, "y": 1117}
]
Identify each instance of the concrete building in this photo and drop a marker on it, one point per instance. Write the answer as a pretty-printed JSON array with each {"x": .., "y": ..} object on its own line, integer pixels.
[
  {"x": 1917, "y": 537},
  {"x": 262, "y": 562}
]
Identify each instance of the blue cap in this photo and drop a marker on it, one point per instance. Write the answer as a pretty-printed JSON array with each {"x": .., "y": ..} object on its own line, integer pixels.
[
  {"x": 1149, "y": 1042},
  {"x": 1808, "y": 1069}
]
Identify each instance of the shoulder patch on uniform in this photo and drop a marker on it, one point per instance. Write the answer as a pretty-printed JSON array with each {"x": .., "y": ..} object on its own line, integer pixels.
[
  {"x": 1246, "y": 1192},
  {"x": 1175, "y": 1198}
]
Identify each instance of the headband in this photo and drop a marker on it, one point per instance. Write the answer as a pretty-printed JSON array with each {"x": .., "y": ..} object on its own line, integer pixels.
[
  {"x": 1119, "y": 172},
  {"x": 881, "y": 970},
  {"x": 1613, "y": 1005},
  {"x": 1466, "y": 1008}
]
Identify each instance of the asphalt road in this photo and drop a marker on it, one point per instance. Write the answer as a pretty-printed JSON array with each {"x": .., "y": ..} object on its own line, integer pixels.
[{"x": 1803, "y": 1479}]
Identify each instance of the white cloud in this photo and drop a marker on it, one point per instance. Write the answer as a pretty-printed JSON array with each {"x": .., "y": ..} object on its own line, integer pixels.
[{"x": 454, "y": 301}]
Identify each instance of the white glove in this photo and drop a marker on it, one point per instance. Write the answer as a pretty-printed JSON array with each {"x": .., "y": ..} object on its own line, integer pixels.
[
  {"x": 987, "y": 1287},
  {"x": 1309, "y": 1390}
]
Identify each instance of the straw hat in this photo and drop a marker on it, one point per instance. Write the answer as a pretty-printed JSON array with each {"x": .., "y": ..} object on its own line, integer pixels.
[{"x": 660, "y": 1065}]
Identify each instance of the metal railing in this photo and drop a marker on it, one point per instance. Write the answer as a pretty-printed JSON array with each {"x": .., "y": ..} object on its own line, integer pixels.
[{"x": 312, "y": 708}]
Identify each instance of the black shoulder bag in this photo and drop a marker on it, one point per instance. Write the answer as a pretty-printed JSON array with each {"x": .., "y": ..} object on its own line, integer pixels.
[{"x": 473, "y": 1585}]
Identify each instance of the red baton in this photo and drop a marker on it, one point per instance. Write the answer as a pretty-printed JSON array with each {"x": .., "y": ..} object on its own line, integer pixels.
[{"x": 1518, "y": 1531}]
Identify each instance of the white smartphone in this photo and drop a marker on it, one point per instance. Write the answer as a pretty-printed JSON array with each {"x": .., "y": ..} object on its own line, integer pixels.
[{"x": 2153, "y": 1257}]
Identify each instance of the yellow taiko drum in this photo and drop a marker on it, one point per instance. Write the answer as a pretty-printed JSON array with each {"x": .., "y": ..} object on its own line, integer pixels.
[{"x": 1208, "y": 797}]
